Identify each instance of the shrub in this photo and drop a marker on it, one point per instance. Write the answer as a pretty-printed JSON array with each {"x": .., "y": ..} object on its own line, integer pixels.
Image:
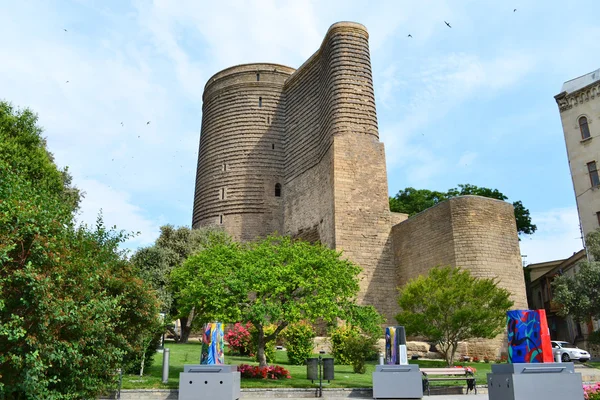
[
  {"x": 501, "y": 360},
  {"x": 269, "y": 347},
  {"x": 486, "y": 359},
  {"x": 299, "y": 342},
  {"x": 359, "y": 349},
  {"x": 269, "y": 372},
  {"x": 350, "y": 347},
  {"x": 475, "y": 359},
  {"x": 338, "y": 338},
  {"x": 239, "y": 339}
]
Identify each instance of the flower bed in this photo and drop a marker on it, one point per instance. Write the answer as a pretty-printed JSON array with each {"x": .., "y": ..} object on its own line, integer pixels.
[
  {"x": 269, "y": 372},
  {"x": 592, "y": 392}
]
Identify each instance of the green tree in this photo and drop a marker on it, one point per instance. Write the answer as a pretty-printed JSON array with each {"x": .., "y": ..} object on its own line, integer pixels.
[
  {"x": 578, "y": 294},
  {"x": 24, "y": 151},
  {"x": 273, "y": 281},
  {"x": 72, "y": 309},
  {"x": 171, "y": 249},
  {"x": 449, "y": 306},
  {"x": 412, "y": 201}
]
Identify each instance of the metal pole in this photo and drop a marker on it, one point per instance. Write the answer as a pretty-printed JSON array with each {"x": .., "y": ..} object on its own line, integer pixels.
[
  {"x": 320, "y": 376},
  {"x": 380, "y": 358},
  {"x": 165, "y": 369},
  {"x": 120, "y": 371}
]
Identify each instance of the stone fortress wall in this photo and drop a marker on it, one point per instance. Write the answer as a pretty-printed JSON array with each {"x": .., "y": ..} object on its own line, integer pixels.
[{"x": 313, "y": 133}]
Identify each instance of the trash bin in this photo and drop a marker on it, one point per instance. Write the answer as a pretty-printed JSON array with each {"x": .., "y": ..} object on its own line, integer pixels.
[
  {"x": 328, "y": 369},
  {"x": 312, "y": 368}
]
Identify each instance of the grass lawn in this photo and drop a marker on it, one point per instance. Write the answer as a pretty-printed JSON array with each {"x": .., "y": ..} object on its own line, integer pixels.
[
  {"x": 595, "y": 364},
  {"x": 344, "y": 377}
]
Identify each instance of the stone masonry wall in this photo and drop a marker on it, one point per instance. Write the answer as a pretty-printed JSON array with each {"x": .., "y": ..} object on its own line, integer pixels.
[
  {"x": 241, "y": 154},
  {"x": 471, "y": 232},
  {"x": 423, "y": 241}
]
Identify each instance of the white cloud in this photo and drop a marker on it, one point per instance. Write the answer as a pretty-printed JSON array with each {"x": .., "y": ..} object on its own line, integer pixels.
[
  {"x": 117, "y": 210},
  {"x": 557, "y": 237}
]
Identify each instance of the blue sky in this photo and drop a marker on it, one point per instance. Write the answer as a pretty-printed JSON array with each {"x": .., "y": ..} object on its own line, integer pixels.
[{"x": 471, "y": 104}]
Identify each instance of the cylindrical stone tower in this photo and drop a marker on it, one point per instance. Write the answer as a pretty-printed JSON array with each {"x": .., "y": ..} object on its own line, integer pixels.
[{"x": 240, "y": 170}]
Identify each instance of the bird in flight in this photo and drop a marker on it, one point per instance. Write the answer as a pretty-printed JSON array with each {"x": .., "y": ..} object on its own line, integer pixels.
[
  {"x": 64, "y": 29},
  {"x": 138, "y": 136},
  {"x": 515, "y": 10},
  {"x": 122, "y": 124},
  {"x": 148, "y": 123},
  {"x": 67, "y": 82},
  {"x": 447, "y": 24},
  {"x": 409, "y": 35}
]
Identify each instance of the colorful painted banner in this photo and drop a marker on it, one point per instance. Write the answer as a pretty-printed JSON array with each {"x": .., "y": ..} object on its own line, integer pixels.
[
  {"x": 528, "y": 337},
  {"x": 391, "y": 346},
  {"x": 212, "y": 344}
]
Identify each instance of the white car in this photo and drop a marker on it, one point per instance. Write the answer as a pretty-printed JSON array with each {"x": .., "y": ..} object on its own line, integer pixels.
[{"x": 569, "y": 352}]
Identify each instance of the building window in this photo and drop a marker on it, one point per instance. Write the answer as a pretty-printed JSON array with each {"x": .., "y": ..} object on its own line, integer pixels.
[
  {"x": 224, "y": 167},
  {"x": 584, "y": 128},
  {"x": 594, "y": 179},
  {"x": 260, "y": 101},
  {"x": 222, "y": 193},
  {"x": 598, "y": 216},
  {"x": 221, "y": 219},
  {"x": 268, "y": 120},
  {"x": 277, "y": 190},
  {"x": 272, "y": 146},
  {"x": 257, "y": 77}
]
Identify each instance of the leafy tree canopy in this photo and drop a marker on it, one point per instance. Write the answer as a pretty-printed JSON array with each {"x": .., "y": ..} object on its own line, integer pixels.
[
  {"x": 171, "y": 249},
  {"x": 273, "y": 281},
  {"x": 578, "y": 294},
  {"x": 412, "y": 201},
  {"x": 24, "y": 151},
  {"x": 449, "y": 306},
  {"x": 72, "y": 309}
]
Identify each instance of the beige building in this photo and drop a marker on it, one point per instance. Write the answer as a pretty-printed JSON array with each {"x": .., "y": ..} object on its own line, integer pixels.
[
  {"x": 540, "y": 295},
  {"x": 297, "y": 151},
  {"x": 579, "y": 105}
]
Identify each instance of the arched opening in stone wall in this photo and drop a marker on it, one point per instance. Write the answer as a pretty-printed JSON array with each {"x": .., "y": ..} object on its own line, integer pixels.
[{"x": 584, "y": 128}]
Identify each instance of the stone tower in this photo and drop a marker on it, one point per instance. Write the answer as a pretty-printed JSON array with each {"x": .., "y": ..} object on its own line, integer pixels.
[{"x": 298, "y": 152}]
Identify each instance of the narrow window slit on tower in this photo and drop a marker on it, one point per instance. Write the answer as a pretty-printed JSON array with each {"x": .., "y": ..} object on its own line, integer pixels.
[
  {"x": 257, "y": 77},
  {"x": 222, "y": 193},
  {"x": 593, "y": 172},
  {"x": 224, "y": 167},
  {"x": 260, "y": 101},
  {"x": 277, "y": 190},
  {"x": 268, "y": 120},
  {"x": 221, "y": 219},
  {"x": 273, "y": 146}
]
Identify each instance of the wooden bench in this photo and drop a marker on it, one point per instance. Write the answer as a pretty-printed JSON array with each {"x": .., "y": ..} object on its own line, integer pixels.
[{"x": 448, "y": 374}]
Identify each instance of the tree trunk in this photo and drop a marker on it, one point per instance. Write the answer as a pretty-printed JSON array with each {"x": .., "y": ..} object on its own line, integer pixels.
[
  {"x": 186, "y": 327},
  {"x": 260, "y": 351}
]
